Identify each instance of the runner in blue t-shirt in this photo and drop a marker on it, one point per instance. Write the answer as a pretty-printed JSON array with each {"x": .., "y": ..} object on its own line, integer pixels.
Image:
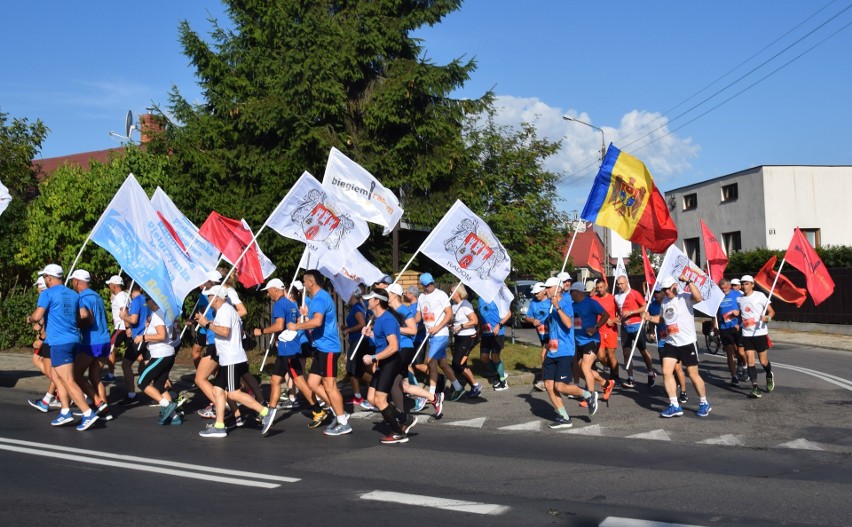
[
  {"x": 356, "y": 319},
  {"x": 493, "y": 340},
  {"x": 95, "y": 345},
  {"x": 134, "y": 318},
  {"x": 729, "y": 330},
  {"x": 537, "y": 314},
  {"x": 589, "y": 316}
]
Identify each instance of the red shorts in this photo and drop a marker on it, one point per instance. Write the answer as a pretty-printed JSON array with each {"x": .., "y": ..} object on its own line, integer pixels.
[{"x": 609, "y": 338}]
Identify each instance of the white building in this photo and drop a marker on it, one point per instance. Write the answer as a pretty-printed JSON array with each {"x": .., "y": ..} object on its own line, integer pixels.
[{"x": 759, "y": 208}]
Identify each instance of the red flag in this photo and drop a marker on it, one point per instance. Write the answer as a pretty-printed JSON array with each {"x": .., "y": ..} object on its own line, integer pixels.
[
  {"x": 803, "y": 257},
  {"x": 595, "y": 262},
  {"x": 784, "y": 288},
  {"x": 650, "y": 277},
  {"x": 717, "y": 260},
  {"x": 231, "y": 238}
]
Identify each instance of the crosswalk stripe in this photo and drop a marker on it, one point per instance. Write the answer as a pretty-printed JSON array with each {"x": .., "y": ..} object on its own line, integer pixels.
[
  {"x": 727, "y": 439},
  {"x": 471, "y": 423},
  {"x": 532, "y": 425},
  {"x": 801, "y": 444},
  {"x": 436, "y": 503},
  {"x": 656, "y": 435}
]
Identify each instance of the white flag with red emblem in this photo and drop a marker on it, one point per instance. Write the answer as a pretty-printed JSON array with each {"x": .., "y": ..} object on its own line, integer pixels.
[
  {"x": 677, "y": 265},
  {"x": 464, "y": 245}
]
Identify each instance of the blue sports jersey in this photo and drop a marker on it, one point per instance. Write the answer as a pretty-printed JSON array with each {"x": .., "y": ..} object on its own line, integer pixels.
[
  {"x": 351, "y": 320},
  {"x": 287, "y": 310},
  {"x": 727, "y": 320},
  {"x": 405, "y": 312},
  {"x": 98, "y": 331},
  {"x": 384, "y": 326},
  {"x": 421, "y": 329},
  {"x": 586, "y": 313},
  {"x": 561, "y": 339},
  {"x": 202, "y": 308},
  {"x": 490, "y": 318},
  {"x": 138, "y": 306},
  {"x": 304, "y": 337},
  {"x": 540, "y": 310},
  {"x": 61, "y": 306},
  {"x": 325, "y": 337}
]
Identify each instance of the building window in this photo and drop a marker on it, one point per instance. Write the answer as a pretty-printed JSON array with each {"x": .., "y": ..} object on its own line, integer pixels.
[
  {"x": 812, "y": 235},
  {"x": 729, "y": 192},
  {"x": 693, "y": 249},
  {"x": 732, "y": 242},
  {"x": 690, "y": 201}
]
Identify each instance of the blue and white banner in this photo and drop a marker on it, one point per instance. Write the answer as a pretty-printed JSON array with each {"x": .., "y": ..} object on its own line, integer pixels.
[
  {"x": 202, "y": 252},
  {"x": 130, "y": 230}
]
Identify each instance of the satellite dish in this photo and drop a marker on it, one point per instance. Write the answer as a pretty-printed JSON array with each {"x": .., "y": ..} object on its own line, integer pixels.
[{"x": 128, "y": 124}]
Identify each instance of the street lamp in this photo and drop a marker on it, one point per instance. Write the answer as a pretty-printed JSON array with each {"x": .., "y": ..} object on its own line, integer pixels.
[{"x": 603, "y": 139}]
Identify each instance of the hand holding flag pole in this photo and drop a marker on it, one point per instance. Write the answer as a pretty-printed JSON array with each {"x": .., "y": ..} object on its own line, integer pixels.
[{"x": 289, "y": 290}]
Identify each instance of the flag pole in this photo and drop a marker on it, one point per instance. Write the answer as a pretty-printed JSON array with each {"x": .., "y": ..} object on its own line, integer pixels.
[
  {"x": 79, "y": 253},
  {"x": 248, "y": 246},
  {"x": 428, "y": 336},
  {"x": 195, "y": 306},
  {"x": 289, "y": 290},
  {"x": 771, "y": 289}
]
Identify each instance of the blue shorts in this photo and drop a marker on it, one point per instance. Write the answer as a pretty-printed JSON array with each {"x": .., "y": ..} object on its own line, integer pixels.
[
  {"x": 62, "y": 354},
  {"x": 557, "y": 369},
  {"x": 438, "y": 348},
  {"x": 98, "y": 351}
]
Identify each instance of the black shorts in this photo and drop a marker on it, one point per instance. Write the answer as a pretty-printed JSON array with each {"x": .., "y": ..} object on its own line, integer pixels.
[
  {"x": 355, "y": 365},
  {"x": 386, "y": 374},
  {"x": 200, "y": 339},
  {"x": 685, "y": 354},
  {"x": 307, "y": 350},
  {"x": 730, "y": 336},
  {"x": 406, "y": 355},
  {"x": 210, "y": 351},
  {"x": 557, "y": 369},
  {"x": 156, "y": 373},
  {"x": 44, "y": 351},
  {"x": 119, "y": 338},
  {"x": 229, "y": 376},
  {"x": 462, "y": 344},
  {"x": 324, "y": 364},
  {"x": 589, "y": 348},
  {"x": 289, "y": 364},
  {"x": 759, "y": 343},
  {"x": 627, "y": 339},
  {"x": 133, "y": 351},
  {"x": 492, "y": 344}
]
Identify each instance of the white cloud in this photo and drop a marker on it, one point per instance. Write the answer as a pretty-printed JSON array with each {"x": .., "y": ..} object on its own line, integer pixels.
[{"x": 666, "y": 155}]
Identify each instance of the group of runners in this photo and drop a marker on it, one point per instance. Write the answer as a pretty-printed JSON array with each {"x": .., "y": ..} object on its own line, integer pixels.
[{"x": 393, "y": 336}]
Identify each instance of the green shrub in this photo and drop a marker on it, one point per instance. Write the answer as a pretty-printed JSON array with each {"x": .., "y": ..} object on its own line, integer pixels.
[{"x": 15, "y": 307}]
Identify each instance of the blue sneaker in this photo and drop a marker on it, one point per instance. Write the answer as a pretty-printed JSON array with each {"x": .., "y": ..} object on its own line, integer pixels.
[
  {"x": 704, "y": 409},
  {"x": 166, "y": 412},
  {"x": 63, "y": 419},
  {"x": 475, "y": 390},
  {"x": 419, "y": 404},
  {"x": 672, "y": 411},
  {"x": 87, "y": 422},
  {"x": 456, "y": 395},
  {"x": 39, "y": 405}
]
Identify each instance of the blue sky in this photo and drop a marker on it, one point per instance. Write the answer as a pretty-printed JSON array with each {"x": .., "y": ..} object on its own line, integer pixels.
[{"x": 623, "y": 66}]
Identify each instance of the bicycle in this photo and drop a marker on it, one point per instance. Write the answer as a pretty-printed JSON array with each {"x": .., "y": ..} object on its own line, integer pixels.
[{"x": 712, "y": 340}]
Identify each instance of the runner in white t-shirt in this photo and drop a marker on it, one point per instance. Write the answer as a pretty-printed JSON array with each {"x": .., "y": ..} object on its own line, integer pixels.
[
  {"x": 118, "y": 299},
  {"x": 677, "y": 315},
  {"x": 433, "y": 309},
  {"x": 158, "y": 337},
  {"x": 464, "y": 338},
  {"x": 755, "y": 311}
]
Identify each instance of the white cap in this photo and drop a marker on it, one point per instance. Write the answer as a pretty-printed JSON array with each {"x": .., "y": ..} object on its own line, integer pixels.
[
  {"x": 577, "y": 286},
  {"x": 667, "y": 282},
  {"x": 537, "y": 288},
  {"x": 395, "y": 289},
  {"x": 735, "y": 281},
  {"x": 51, "y": 270},
  {"x": 563, "y": 276},
  {"x": 214, "y": 276},
  {"x": 552, "y": 282},
  {"x": 216, "y": 290},
  {"x": 373, "y": 294},
  {"x": 81, "y": 274},
  {"x": 590, "y": 286},
  {"x": 115, "y": 279},
  {"x": 297, "y": 285},
  {"x": 747, "y": 278},
  {"x": 40, "y": 283},
  {"x": 276, "y": 283}
]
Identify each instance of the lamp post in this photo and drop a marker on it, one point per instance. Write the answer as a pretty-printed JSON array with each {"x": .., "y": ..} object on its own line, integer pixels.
[{"x": 603, "y": 153}]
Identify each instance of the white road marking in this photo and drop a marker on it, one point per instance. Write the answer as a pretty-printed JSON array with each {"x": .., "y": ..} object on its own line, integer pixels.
[
  {"x": 31, "y": 446},
  {"x": 591, "y": 430},
  {"x": 656, "y": 435},
  {"x": 801, "y": 444},
  {"x": 472, "y": 423},
  {"x": 532, "y": 425},
  {"x": 727, "y": 440},
  {"x": 838, "y": 381},
  {"x": 436, "y": 503},
  {"x": 613, "y": 521}
]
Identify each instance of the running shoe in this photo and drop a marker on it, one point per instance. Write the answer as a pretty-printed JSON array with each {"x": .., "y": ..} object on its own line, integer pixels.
[
  {"x": 106, "y": 415},
  {"x": 365, "y": 405},
  {"x": 672, "y": 411},
  {"x": 54, "y": 404},
  {"x": 339, "y": 430},
  {"x": 683, "y": 398},
  {"x": 39, "y": 405},
  {"x": 755, "y": 392},
  {"x": 239, "y": 421},
  {"x": 129, "y": 401},
  {"x": 495, "y": 383},
  {"x": 355, "y": 401},
  {"x": 539, "y": 386},
  {"x": 704, "y": 409},
  {"x": 770, "y": 382},
  {"x": 213, "y": 432},
  {"x": 87, "y": 422},
  {"x": 181, "y": 400},
  {"x": 734, "y": 382},
  {"x": 208, "y": 412},
  {"x": 652, "y": 379},
  {"x": 610, "y": 384},
  {"x": 176, "y": 419},
  {"x": 419, "y": 404},
  {"x": 456, "y": 395},
  {"x": 561, "y": 422},
  {"x": 268, "y": 419},
  {"x": 741, "y": 374},
  {"x": 593, "y": 404},
  {"x": 318, "y": 419},
  {"x": 290, "y": 405},
  {"x": 166, "y": 412},
  {"x": 107, "y": 378},
  {"x": 394, "y": 438},
  {"x": 103, "y": 407},
  {"x": 63, "y": 419},
  {"x": 502, "y": 385},
  {"x": 474, "y": 391},
  {"x": 438, "y": 403},
  {"x": 629, "y": 383},
  {"x": 409, "y": 424}
]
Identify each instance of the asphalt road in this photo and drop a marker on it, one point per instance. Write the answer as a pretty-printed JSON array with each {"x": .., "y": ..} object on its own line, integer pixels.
[{"x": 780, "y": 460}]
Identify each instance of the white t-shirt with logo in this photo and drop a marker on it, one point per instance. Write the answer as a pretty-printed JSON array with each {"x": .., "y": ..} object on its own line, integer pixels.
[
  {"x": 461, "y": 313},
  {"x": 679, "y": 319},
  {"x": 230, "y": 348},
  {"x": 751, "y": 308},
  {"x": 159, "y": 349},
  {"x": 431, "y": 308},
  {"x": 119, "y": 300}
]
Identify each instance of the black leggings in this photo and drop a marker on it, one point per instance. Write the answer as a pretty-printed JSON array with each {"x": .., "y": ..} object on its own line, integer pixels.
[{"x": 462, "y": 344}]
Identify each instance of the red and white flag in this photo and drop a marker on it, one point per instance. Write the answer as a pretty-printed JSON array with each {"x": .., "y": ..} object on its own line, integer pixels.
[
  {"x": 717, "y": 260},
  {"x": 803, "y": 257},
  {"x": 184, "y": 231},
  {"x": 676, "y": 264},
  {"x": 231, "y": 237}
]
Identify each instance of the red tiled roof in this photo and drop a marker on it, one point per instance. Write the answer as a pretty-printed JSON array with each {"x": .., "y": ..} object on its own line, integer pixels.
[
  {"x": 44, "y": 167},
  {"x": 582, "y": 247}
]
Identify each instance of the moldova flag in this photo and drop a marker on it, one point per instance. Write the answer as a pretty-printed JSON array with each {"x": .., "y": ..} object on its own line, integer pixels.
[{"x": 625, "y": 199}]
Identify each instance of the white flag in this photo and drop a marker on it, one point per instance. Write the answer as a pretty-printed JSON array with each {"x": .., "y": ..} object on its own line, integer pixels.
[
  {"x": 464, "y": 245},
  {"x": 504, "y": 301},
  {"x": 677, "y": 264},
  {"x": 357, "y": 270},
  {"x": 131, "y": 231},
  {"x": 620, "y": 270},
  {"x": 360, "y": 192},
  {"x": 306, "y": 214},
  {"x": 5, "y": 197},
  {"x": 202, "y": 252}
]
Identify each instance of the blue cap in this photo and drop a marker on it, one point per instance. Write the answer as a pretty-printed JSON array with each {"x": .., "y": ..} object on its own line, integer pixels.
[{"x": 426, "y": 279}]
